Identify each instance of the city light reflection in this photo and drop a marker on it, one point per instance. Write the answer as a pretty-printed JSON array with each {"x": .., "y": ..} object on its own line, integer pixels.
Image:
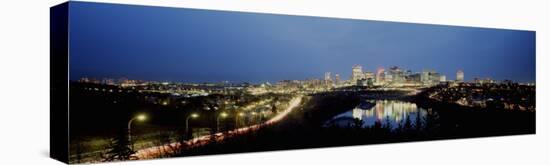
[{"x": 392, "y": 111}]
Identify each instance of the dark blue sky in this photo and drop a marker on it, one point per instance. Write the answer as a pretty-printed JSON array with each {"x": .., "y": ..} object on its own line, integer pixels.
[{"x": 171, "y": 44}]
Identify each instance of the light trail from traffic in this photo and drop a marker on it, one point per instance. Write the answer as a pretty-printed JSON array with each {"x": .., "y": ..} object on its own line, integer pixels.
[{"x": 154, "y": 152}]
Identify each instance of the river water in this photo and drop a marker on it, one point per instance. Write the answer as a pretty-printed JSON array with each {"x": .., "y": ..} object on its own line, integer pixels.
[{"x": 392, "y": 112}]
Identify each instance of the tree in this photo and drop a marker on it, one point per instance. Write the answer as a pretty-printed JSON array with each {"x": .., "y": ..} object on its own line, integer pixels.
[
  {"x": 387, "y": 124},
  {"x": 182, "y": 138},
  {"x": 377, "y": 128},
  {"x": 163, "y": 141},
  {"x": 119, "y": 149},
  {"x": 418, "y": 121},
  {"x": 357, "y": 123},
  {"x": 431, "y": 121},
  {"x": 408, "y": 124}
]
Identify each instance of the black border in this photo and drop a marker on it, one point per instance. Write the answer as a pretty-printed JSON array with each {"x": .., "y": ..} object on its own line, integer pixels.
[{"x": 59, "y": 88}]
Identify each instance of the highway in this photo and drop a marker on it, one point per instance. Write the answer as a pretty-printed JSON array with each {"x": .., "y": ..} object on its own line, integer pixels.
[{"x": 155, "y": 152}]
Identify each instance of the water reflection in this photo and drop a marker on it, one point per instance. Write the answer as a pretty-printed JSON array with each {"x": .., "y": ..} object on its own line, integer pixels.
[{"x": 391, "y": 112}]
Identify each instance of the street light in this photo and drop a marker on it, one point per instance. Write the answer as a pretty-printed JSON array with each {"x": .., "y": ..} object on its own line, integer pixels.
[
  {"x": 140, "y": 117},
  {"x": 239, "y": 115},
  {"x": 193, "y": 115},
  {"x": 223, "y": 115},
  {"x": 254, "y": 116}
]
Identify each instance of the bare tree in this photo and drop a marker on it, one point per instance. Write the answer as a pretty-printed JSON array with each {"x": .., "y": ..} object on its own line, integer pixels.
[{"x": 119, "y": 149}]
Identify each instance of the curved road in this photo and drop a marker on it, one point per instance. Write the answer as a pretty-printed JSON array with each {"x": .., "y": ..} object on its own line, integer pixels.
[{"x": 155, "y": 152}]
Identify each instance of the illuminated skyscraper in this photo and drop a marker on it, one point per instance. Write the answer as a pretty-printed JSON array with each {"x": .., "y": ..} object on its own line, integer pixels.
[
  {"x": 442, "y": 78},
  {"x": 388, "y": 77},
  {"x": 328, "y": 80},
  {"x": 379, "y": 75},
  {"x": 434, "y": 78},
  {"x": 415, "y": 77},
  {"x": 397, "y": 74},
  {"x": 429, "y": 77},
  {"x": 369, "y": 75},
  {"x": 357, "y": 73},
  {"x": 327, "y": 76},
  {"x": 460, "y": 76},
  {"x": 337, "y": 79}
]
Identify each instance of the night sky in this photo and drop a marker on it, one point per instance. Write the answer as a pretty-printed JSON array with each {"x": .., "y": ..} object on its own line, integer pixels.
[{"x": 171, "y": 44}]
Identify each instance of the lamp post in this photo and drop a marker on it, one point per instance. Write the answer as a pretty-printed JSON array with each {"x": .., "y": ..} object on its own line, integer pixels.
[
  {"x": 193, "y": 115},
  {"x": 223, "y": 115},
  {"x": 239, "y": 115},
  {"x": 140, "y": 117},
  {"x": 254, "y": 119}
]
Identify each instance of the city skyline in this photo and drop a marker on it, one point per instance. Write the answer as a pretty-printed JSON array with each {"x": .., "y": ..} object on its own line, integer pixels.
[
  {"x": 330, "y": 76},
  {"x": 187, "y": 46},
  {"x": 156, "y": 82}
]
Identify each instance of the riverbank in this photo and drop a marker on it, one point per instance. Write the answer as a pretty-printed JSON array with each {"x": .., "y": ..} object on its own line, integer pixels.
[
  {"x": 459, "y": 121},
  {"x": 303, "y": 128}
]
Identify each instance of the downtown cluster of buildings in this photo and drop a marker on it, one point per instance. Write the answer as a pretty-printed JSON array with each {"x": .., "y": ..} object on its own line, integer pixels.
[
  {"x": 391, "y": 77},
  {"x": 394, "y": 77}
]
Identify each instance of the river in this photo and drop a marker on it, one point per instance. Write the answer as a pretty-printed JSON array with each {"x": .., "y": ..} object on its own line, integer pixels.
[{"x": 392, "y": 112}]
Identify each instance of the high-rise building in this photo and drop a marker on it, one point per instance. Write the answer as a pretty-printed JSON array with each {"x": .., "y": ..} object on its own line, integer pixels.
[
  {"x": 442, "y": 78},
  {"x": 337, "y": 79},
  {"x": 395, "y": 69},
  {"x": 430, "y": 77},
  {"x": 425, "y": 76},
  {"x": 415, "y": 78},
  {"x": 327, "y": 76},
  {"x": 357, "y": 73},
  {"x": 397, "y": 74},
  {"x": 379, "y": 75},
  {"x": 369, "y": 74},
  {"x": 434, "y": 78},
  {"x": 407, "y": 73},
  {"x": 460, "y": 76},
  {"x": 328, "y": 80},
  {"x": 388, "y": 77}
]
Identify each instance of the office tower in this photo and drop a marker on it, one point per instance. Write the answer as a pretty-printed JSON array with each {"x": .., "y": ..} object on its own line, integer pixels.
[
  {"x": 357, "y": 73},
  {"x": 460, "y": 76},
  {"x": 379, "y": 75},
  {"x": 337, "y": 79},
  {"x": 328, "y": 80}
]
